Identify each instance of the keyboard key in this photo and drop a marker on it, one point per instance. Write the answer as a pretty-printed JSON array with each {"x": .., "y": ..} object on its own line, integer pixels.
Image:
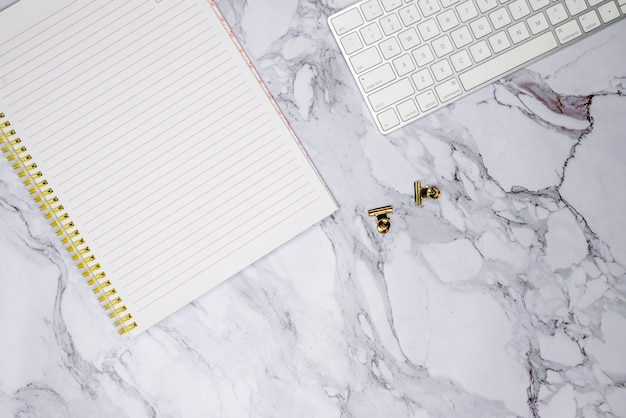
[
  {"x": 351, "y": 43},
  {"x": 390, "y": 5},
  {"x": 519, "y": 9},
  {"x": 486, "y": 5},
  {"x": 480, "y": 27},
  {"x": 423, "y": 79},
  {"x": 407, "y": 110},
  {"x": 378, "y": 77},
  {"x": 589, "y": 21},
  {"x": 347, "y": 21},
  {"x": 448, "y": 3},
  {"x": 423, "y": 55},
  {"x": 448, "y": 90},
  {"x": 608, "y": 11},
  {"x": 480, "y": 51},
  {"x": 508, "y": 60},
  {"x": 461, "y": 60},
  {"x": 409, "y": 15},
  {"x": 390, "y": 24},
  {"x": 391, "y": 94},
  {"x": 442, "y": 46},
  {"x": 556, "y": 13},
  {"x": 467, "y": 11},
  {"x": 371, "y": 10},
  {"x": 575, "y": 6},
  {"x": 447, "y": 20},
  {"x": 518, "y": 32},
  {"x": 409, "y": 39},
  {"x": 404, "y": 65},
  {"x": 500, "y": 18},
  {"x": 538, "y": 4},
  {"x": 568, "y": 31},
  {"x": 428, "y": 7},
  {"x": 365, "y": 60},
  {"x": 390, "y": 48},
  {"x": 499, "y": 42},
  {"x": 537, "y": 23},
  {"x": 388, "y": 119},
  {"x": 428, "y": 29},
  {"x": 426, "y": 100},
  {"x": 441, "y": 70},
  {"x": 461, "y": 37},
  {"x": 371, "y": 33}
]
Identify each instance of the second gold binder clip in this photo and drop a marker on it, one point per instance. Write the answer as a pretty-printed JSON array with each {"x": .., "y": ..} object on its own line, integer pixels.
[{"x": 428, "y": 192}]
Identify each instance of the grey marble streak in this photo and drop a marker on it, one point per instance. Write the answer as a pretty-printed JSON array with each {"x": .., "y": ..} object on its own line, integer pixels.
[{"x": 504, "y": 298}]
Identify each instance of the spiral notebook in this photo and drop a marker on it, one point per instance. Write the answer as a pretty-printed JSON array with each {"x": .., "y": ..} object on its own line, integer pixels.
[{"x": 151, "y": 145}]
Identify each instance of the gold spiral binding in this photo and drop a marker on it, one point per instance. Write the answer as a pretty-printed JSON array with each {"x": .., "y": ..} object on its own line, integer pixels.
[{"x": 39, "y": 188}]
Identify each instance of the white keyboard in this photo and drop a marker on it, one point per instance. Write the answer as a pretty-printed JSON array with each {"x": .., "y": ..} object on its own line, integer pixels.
[{"x": 412, "y": 57}]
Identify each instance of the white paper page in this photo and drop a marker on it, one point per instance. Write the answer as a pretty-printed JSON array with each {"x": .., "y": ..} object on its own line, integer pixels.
[{"x": 159, "y": 141}]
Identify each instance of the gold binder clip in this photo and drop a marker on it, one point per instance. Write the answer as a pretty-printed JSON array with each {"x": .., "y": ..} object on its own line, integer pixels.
[
  {"x": 424, "y": 193},
  {"x": 382, "y": 222}
]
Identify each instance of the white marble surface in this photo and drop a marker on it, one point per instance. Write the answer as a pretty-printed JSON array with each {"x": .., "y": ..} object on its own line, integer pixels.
[{"x": 504, "y": 298}]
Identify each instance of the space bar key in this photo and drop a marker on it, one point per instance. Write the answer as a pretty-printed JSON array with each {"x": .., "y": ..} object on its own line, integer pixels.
[{"x": 510, "y": 59}]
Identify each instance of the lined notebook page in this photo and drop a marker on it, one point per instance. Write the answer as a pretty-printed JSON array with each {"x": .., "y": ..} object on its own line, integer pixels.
[{"x": 159, "y": 141}]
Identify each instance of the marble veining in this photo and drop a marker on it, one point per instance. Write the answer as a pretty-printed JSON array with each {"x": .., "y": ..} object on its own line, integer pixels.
[{"x": 506, "y": 297}]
